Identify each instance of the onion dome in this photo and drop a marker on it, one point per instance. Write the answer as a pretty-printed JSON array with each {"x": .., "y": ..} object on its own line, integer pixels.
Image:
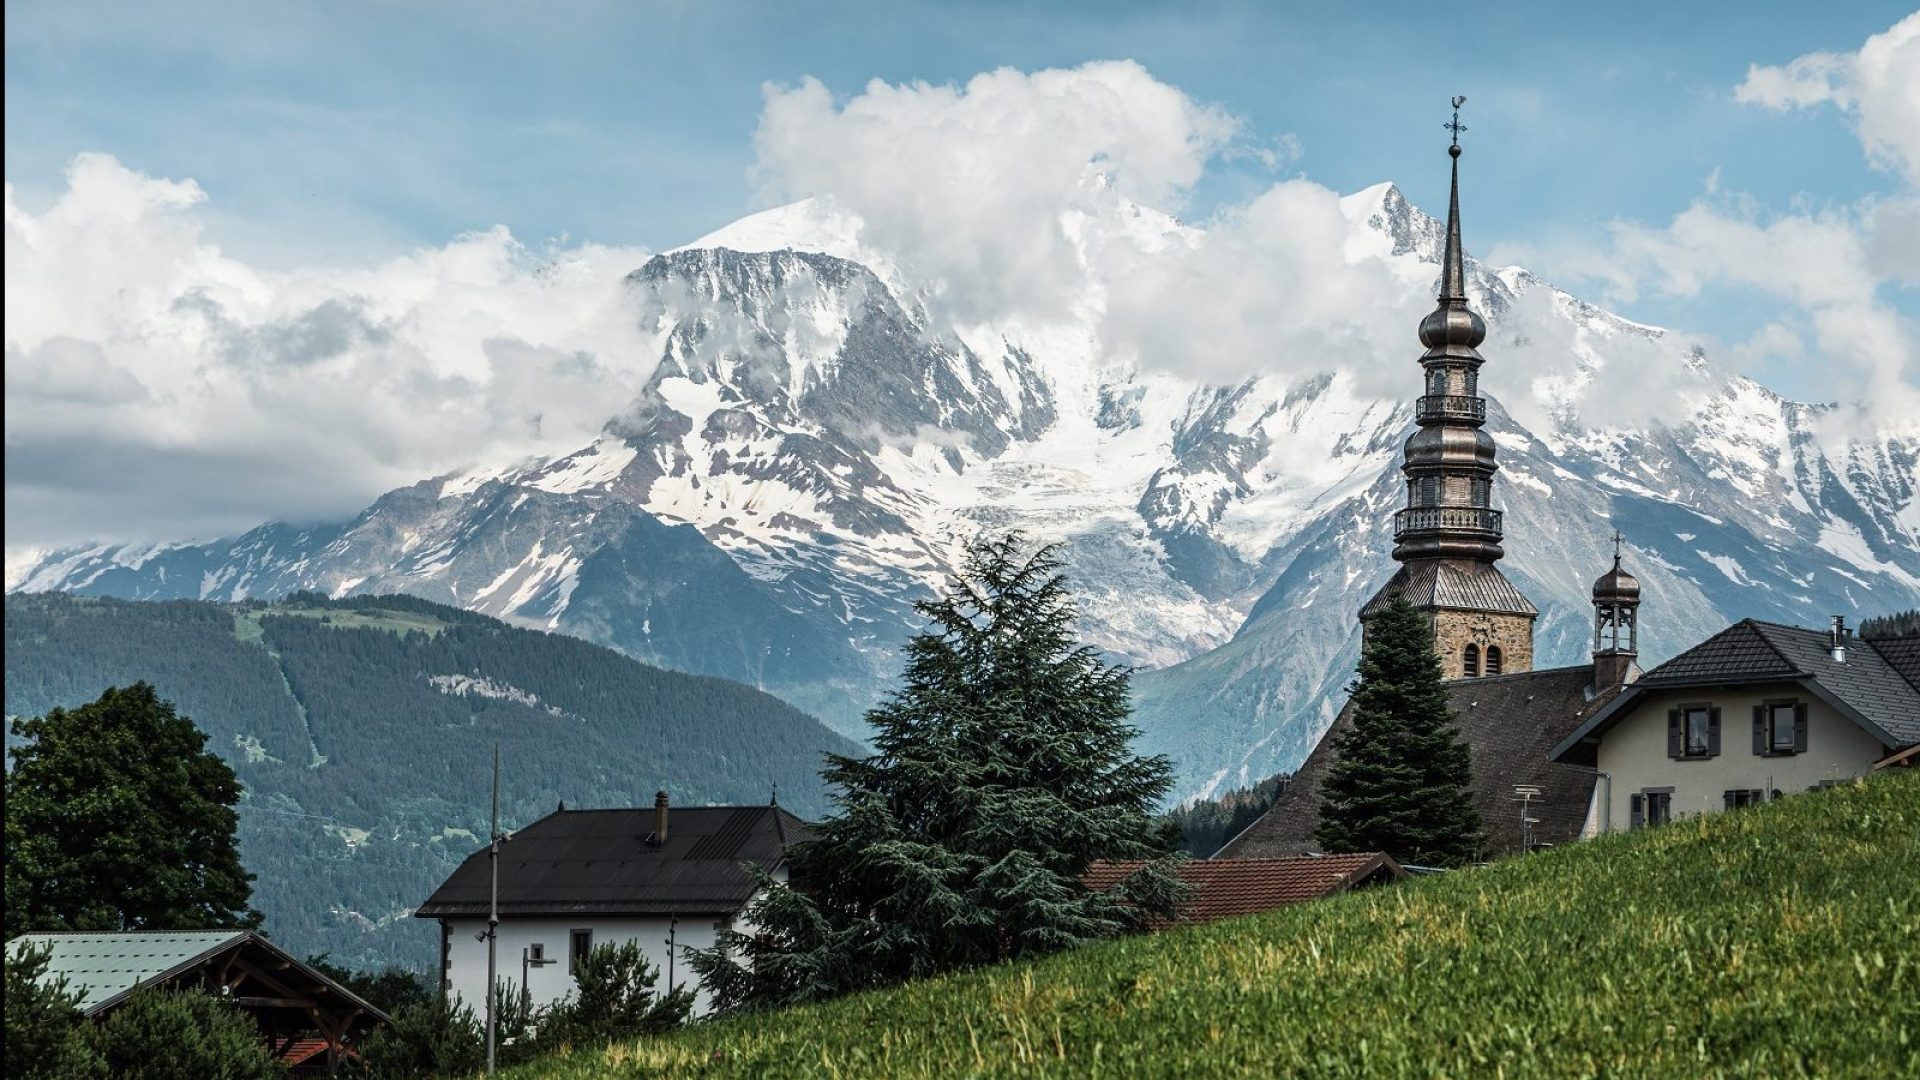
[{"x": 1616, "y": 586}]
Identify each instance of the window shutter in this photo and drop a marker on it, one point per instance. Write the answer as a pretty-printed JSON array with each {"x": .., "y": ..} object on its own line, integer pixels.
[
  {"x": 1800, "y": 727},
  {"x": 1673, "y": 734},
  {"x": 1713, "y": 731},
  {"x": 1759, "y": 729},
  {"x": 1726, "y": 798},
  {"x": 1636, "y": 811}
]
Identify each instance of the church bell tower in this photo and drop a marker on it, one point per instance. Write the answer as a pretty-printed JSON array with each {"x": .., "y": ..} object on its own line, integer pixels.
[{"x": 1448, "y": 537}]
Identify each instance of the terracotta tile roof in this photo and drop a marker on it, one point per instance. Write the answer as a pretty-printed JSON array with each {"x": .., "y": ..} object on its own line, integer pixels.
[
  {"x": 1509, "y": 723},
  {"x": 1225, "y": 888}
]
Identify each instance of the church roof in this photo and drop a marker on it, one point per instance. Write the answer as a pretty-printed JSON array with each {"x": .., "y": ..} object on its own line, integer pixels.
[
  {"x": 1457, "y": 584},
  {"x": 1509, "y": 723},
  {"x": 604, "y": 862},
  {"x": 1875, "y": 686}
]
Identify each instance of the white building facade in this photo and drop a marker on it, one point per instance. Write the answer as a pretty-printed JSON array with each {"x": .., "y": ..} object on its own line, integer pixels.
[{"x": 582, "y": 879}]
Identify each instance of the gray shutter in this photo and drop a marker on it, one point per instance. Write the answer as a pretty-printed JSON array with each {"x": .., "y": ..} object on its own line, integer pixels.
[
  {"x": 1636, "y": 811},
  {"x": 1673, "y": 733},
  {"x": 1713, "y": 731},
  {"x": 1759, "y": 729},
  {"x": 1800, "y": 727},
  {"x": 1726, "y": 799}
]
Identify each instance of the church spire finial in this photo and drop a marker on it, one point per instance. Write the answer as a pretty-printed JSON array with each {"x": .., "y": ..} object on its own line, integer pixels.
[{"x": 1453, "y": 275}]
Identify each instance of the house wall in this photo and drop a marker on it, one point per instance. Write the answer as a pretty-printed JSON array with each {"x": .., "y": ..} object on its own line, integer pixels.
[
  {"x": 466, "y": 975},
  {"x": 1634, "y": 753}
]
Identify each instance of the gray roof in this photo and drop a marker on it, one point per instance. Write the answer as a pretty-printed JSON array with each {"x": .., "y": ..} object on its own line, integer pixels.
[
  {"x": 1459, "y": 584},
  {"x": 106, "y": 967},
  {"x": 604, "y": 862},
  {"x": 1508, "y": 722},
  {"x": 1874, "y": 687}
]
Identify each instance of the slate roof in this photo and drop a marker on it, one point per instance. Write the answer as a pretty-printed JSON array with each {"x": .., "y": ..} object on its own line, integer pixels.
[
  {"x": 1452, "y": 583},
  {"x": 604, "y": 862},
  {"x": 1509, "y": 723},
  {"x": 1875, "y": 686},
  {"x": 1226, "y": 888}
]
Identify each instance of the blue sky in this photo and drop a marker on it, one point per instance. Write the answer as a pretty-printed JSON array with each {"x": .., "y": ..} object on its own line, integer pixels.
[{"x": 345, "y": 130}]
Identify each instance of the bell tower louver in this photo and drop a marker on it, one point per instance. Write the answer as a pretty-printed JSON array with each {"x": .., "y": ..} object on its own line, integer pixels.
[{"x": 1448, "y": 537}]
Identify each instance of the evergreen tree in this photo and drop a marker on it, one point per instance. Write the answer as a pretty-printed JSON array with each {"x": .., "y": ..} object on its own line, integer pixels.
[
  {"x": 182, "y": 1035},
  {"x": 118, "y": 818},
  {"x": 1002, "y": 768},
  {"x": 45, "y": 1036},
  {"x": 1897, "y": 624},
  {"x": 1401, "y": 781}
]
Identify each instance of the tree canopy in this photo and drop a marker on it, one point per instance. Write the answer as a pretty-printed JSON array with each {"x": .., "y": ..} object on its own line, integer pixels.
[
  {"x": 1002, "y": 768},
  {"x": 1401, "y": 779},
  {"x": 118, "y": 818}
]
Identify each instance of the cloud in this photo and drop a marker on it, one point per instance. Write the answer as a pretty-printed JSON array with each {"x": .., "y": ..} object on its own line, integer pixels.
[
  {"x": 969, "y": 183},
  {"x": 156, "y": 387},
  {"x": 1878, "y": 86}
]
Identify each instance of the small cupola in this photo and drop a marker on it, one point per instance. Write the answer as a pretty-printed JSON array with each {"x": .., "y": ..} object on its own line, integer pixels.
[{"x": 1616, "y": 624}]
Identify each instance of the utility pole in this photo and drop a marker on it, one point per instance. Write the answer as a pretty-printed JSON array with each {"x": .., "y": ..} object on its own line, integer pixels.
[{"x": 493, "y": 904}]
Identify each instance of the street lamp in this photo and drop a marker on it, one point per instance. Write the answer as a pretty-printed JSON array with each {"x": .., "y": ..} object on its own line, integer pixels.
[{"x": 528, "y": 960}]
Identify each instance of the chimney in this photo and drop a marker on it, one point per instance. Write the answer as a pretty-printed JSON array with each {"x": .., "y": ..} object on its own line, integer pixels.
[
  {"x": 659, "y": 819},
  {"x": 1837, "y": 639}
]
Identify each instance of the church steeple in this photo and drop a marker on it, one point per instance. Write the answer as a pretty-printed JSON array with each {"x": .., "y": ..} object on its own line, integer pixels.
[
  {"x": 1448, "y": 537},
  {"x": 1450, "y": 462}
]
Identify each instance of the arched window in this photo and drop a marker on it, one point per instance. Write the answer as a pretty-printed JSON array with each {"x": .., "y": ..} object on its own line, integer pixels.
[
  {"x": 1493, "y": 659},
  {"x": 1470, "y": 661}
]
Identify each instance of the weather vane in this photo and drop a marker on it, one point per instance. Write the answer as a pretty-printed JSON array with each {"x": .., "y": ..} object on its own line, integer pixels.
[
  {"x": 1455, "y": 125},
  {"x": 1617, "y": 541}
]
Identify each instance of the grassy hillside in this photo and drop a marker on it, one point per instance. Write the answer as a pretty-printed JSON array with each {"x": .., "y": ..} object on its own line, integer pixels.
[
  {"x": 363, "y": 730},
  {"x": 1776, "y": 942}
]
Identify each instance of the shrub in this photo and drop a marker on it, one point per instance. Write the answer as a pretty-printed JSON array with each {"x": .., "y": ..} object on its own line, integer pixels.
[
  {"x": 181, "y": 1035},
  {"x": 614, "y": 999},
  {"x": 436, "y": 1038}
]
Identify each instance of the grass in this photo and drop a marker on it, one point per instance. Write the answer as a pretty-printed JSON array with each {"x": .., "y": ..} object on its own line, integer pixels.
[
  {"x": 1780, "y": 941},
  {"x": 246, "y": 622}
]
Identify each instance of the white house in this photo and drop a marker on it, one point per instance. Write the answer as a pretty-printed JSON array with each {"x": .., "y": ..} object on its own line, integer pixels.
[
  {"x": 1756, "y": 711},
  {"x": 577, "y": 879}
]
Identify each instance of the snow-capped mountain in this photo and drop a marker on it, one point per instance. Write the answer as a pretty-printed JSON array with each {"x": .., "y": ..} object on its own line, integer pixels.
[{"x": 818, "y": 435}]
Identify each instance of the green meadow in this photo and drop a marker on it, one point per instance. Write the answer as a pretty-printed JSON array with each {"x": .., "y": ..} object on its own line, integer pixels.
[{"x": 1780, "y": 941}]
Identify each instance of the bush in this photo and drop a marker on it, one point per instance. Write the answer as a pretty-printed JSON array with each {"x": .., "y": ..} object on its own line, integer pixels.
[
  {"x": 435, "y": 1038},
  {"x": 44, "y": 1034},
  {"x": 181, "y": 1035},
  {"x": 614, "y": 999}
]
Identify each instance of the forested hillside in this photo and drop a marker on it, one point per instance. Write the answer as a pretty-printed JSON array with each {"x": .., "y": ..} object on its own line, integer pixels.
[{"x": 363, "y": 730}]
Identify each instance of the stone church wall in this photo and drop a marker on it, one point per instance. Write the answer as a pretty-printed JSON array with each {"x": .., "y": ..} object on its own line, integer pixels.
[{"x": 1454, "y": 630}]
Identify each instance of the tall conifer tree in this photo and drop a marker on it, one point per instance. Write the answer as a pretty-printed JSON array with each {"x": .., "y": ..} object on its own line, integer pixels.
[
  {"x": 1001, "y": 769},
  {"x": 1401, "y": 780}
]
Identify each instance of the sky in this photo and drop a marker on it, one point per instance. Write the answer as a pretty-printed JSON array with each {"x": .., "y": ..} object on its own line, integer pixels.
[{"x": 231, "y": 225}]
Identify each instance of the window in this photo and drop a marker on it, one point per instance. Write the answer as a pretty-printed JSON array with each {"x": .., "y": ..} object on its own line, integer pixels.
[
  {"x": 1493, "y": 659},
  {"x": 1653, "y": 806},
  {"x": 537, "y": 953},
  {"x": 579, "y": 944},
  {"x": 1743, "y": 797},
  {"x": 1780, "y": 727},
  {"x": 1693, "y": 732},
  {"x": 1470, "y": 661}
]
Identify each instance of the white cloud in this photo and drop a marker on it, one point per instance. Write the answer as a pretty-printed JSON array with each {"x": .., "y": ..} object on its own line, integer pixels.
[
  {"x": 1878, "y": 86},
  {"x": 156, "y": 387},
  {"x": 969, "y": 183}
]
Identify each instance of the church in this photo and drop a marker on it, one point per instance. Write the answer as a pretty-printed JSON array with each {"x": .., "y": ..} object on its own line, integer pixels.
[{"x": 1448, "y": 544}]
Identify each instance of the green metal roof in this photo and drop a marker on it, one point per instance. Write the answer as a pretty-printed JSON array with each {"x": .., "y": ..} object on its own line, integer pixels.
[{"x": 105, "y": 966}]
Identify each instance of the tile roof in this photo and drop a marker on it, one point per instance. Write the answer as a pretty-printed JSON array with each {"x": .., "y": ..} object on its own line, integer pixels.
[
  {"x": 1225, "y": 888},
  {"x": 604, "y": 862},
  {"x": 1452, "y": 583},
  {"x": 1509, "y": 723},
  {"x": 1876, "y": 681}
]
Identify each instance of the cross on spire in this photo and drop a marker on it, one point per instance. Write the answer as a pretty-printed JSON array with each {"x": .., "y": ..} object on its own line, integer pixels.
[
  {"x": 1455, "y": 125},
  {"x": 1618, "y": 541}
]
